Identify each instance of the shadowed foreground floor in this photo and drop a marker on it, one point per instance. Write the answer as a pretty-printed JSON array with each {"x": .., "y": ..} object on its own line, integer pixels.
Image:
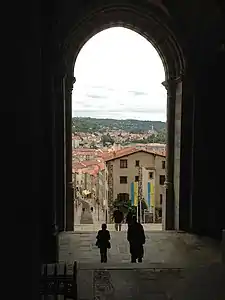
[{"x": 176, "y": 266}]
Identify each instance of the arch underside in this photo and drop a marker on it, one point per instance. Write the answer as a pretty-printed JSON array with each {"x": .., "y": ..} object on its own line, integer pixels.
[
  {"x": 133, "y": 18},
  {"x": 157, "y": 32}
]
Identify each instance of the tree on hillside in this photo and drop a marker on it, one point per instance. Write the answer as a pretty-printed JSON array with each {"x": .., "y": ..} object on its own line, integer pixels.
[
  {"x": 107, "y": 139},
  {"x": 83, "y": 124}
]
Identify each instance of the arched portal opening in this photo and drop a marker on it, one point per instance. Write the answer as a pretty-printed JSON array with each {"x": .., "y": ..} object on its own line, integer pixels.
[
  {"x": 157, "y": 29},
  {"x": 119, "y": 105}
]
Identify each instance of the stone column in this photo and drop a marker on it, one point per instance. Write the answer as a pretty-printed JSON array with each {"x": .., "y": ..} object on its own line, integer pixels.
[
  {"x": 69, "y": 81},
  {"x": 168, "y": 205},
  {"x": 186, "y": 150},
  {"x": 223, "y": 246},
  {"x": 177, "y": 141},
  {"x": 59, "y": 129}
]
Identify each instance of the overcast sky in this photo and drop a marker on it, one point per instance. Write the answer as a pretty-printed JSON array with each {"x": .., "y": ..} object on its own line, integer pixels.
[{"x": 119, "y": 75}]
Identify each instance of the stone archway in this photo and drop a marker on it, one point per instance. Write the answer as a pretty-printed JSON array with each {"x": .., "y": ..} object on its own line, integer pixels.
[{"x": 156, "y": 27}]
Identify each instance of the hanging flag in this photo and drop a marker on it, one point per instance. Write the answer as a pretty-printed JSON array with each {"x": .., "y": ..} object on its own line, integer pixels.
[
  {"x": 132, "y": 193},
  {"x": 152, "y": 195},
  {"x": 149, "y": 194},
  {"x": 135, "y": 193}
]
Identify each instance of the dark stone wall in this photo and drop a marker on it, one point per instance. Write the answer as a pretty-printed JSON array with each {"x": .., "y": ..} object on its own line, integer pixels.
[
  {"x": 208, "y": 208},
  {"x": 25, "y": 158},
  {"x": 201, "y": 206},
  {"x": 33, "y": 108}
]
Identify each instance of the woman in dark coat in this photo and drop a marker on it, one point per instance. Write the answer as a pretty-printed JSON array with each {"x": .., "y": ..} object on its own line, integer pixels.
[
  {"x": 103, "y": 242},
  {"x": 136, "y": 238}
]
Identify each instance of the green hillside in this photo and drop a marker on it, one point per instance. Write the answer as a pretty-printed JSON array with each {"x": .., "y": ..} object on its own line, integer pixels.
[{"x": 92, "y": 125}]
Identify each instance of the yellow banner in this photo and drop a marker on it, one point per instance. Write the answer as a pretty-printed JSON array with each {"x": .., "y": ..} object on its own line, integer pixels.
[
  {"x": 135, "y": 193},
  {"x": 152, "y": 195}
]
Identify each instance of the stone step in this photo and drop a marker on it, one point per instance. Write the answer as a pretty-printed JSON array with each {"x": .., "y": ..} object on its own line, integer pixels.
[
  {"x": 131, "y": 266},
  {"x": 154, "y": 282},
  {"x": 111, "y": 227}
]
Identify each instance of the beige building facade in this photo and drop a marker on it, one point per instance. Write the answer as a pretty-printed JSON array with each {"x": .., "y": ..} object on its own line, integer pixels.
[{"x": 137, "y": 168}]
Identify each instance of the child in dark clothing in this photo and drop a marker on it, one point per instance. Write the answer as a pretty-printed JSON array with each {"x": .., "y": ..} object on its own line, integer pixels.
[{"x": 103, "y": 242}]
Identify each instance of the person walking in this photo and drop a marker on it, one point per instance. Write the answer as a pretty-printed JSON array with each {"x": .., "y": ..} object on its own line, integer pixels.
[
  {"x": 118, "y": 218},
  {"x": 136, "y": 239},
  {"x": 129, "y": 217},
  {"x": 103, "y": 242}
]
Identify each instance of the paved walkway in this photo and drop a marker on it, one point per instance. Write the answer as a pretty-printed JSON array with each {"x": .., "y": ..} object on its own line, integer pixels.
[
  {"x": 176, "y": 266},
  {"x": 111, "y": 227},
  {"x": 161, "y": 247},
  {"x": 203, "y": 283},
  {"x": 86, "y": 216},
  {"x": 97, "y": 215}
]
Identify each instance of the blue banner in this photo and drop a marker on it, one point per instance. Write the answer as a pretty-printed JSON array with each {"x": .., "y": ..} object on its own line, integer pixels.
[{"x": 132, "y": 193}]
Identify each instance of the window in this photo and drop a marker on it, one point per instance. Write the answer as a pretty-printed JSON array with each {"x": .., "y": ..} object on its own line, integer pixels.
[
  {"x": 162, "y": 179},
  {"x": 123, "y": 179},
  {"x": 150, "y": 175},
  {"x": 136, "y": 178},
  {"x": 161, "y": 199},
  {"x": 123, "y": 163},
  {"x": 123, "y": 197},
  {"x": 137, "y": 163},
  {"x": 163, "y": 164}
]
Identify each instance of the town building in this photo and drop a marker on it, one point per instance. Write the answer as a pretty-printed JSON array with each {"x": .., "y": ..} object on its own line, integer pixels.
[
  {"x": 76, "y": 141},
  {"x": 137, "y": 174}
]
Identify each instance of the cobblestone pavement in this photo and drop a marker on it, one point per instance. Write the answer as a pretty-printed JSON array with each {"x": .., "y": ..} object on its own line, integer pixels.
[{"x": 176, "y": 266}]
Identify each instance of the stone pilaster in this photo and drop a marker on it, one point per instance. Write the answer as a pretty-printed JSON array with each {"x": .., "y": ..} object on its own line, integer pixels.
[
  {"x": 59, "y": 132},
  {"x": 169, "y": 205},
  {"x": 69, "y": 81},
  {"x": 223, "y": 247},
  {"x": 177, "y": 141}
]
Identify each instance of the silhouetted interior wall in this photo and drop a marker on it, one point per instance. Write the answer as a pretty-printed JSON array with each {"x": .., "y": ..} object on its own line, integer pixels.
[
  {"x": 208, "y": 189},
  {"x": 31, "y": 209}
]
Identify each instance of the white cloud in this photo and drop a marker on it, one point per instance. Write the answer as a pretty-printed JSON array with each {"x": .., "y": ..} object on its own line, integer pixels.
[{"x": 119, "y": 74}]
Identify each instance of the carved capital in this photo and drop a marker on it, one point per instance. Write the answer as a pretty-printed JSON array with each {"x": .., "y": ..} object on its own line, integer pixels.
[
  {"x": 172, "y": 81},
  {"x": 70, "y": 80},
  {"x": 165, "y": 84}
]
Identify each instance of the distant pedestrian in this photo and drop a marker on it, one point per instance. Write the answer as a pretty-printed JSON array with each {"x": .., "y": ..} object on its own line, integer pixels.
[
  {"x": 91, "y": 209},
  {"x": 136, "y": 238},
  {"x": 83, "y": 209},
  {"x": 118, "y": 218},
  {"x": 103, "y": 242}
]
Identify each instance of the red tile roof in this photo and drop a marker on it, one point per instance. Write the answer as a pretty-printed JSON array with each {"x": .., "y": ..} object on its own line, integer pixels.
[
  {"x": 129, "y": 151},
  {"x": 88, "y": 166}
]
